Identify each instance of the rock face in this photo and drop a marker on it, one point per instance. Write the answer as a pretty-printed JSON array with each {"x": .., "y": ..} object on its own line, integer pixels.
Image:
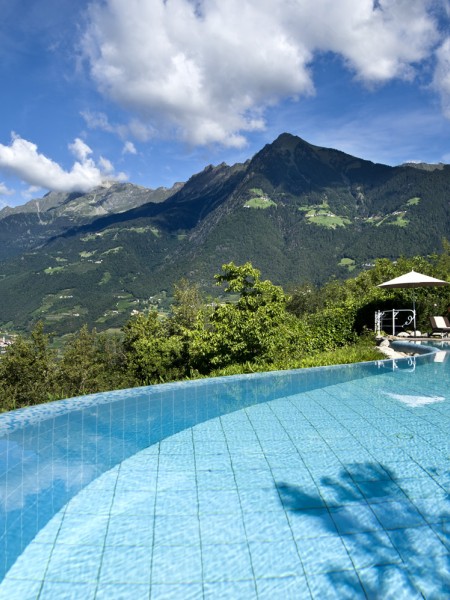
[{"x": 24, "y": 227}]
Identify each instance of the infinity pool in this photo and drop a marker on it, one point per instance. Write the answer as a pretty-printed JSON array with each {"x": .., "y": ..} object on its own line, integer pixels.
[{"x": 322, "y": 483}]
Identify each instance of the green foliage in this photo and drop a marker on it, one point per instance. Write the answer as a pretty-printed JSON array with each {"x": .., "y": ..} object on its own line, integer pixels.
[
  {"x": 362, "y": 350},
  {"x": 247, "y": 330},
  {"x": 265, "y": 327},
  {"x": 327, "y": 219},
  {"x": 364, "y": 210},
  {"x": 366, "y": 297},
  {"x": 32, "y": 373},
  {"x": 91, "y": 362},
  {"x": 304, "y": 298},
  {"x": 27, "y": 371},
  {"x": 328, "y": 329},
  {"x": 258, "y": 328},
  {"x": 258, "y": 199},
  {"x": 186, "y": 306},
  {"x": 153, "y": 355},
  {"x": 259, "y": 202}
]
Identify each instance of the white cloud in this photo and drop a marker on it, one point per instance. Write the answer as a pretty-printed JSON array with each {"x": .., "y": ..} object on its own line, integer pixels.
[
  {"x": 106, "y": 165},
  {"x": 208, "y": 69},
  {"x": 135, "y": 128},
  {"x": 97, "y": 120},
  {"x": 30, "y": 192},
  {"x": 4, "y": 190},
  {"x": 379, "y": 41},
  {"x": 206, "y": 76},
  {"x": 22, "y": 159},
  {"x": 139, "y": 130},
  {"x": 441, "y": 80},
  {"x": 80, "y": 150},
  {"x": 129, "y": 148}
]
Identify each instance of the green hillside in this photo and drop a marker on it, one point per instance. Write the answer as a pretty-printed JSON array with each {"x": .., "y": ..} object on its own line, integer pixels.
[{"x": 298, "y": 212}]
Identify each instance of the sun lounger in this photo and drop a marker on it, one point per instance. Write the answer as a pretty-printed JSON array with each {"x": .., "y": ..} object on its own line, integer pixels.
[{"x": 440, "y": 325}]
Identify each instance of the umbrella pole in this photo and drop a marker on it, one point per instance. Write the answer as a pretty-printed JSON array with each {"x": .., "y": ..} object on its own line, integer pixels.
[{"x": 414, "y": 311}]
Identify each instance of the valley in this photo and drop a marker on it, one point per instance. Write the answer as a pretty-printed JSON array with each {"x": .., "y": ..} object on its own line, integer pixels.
[{"x": 300, "y": 213}]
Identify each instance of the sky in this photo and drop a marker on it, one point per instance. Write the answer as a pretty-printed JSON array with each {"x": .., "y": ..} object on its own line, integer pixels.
[{"x": 153, "y": 91}]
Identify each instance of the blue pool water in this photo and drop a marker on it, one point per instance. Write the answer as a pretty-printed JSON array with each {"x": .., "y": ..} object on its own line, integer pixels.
[{"x": 324, "y": 483}]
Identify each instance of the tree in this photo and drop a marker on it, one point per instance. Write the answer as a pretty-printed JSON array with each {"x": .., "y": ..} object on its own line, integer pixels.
[
  {"x": 27, "y": 372},
  {"x": 303, "y": 299},
  {"x": 186, "y": 306},
  {"x": 252, "y": 328},
  {"x": 91, "y": 362},
  {"x": 152, "y": 354}
]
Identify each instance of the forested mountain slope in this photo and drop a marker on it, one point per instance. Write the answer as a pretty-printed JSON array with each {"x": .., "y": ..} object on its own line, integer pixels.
[
  {"x": 298, "y": 212},
  {"x": 37, "y": 221}
]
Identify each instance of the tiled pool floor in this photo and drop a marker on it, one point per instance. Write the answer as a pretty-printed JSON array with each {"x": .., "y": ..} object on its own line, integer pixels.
[{"x": 336, "y": 493}]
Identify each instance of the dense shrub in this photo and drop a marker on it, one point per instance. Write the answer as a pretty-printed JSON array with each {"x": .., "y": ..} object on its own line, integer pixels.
[
  {"x": 255, "y": 326},
  {"x": 27, "y": 371}
]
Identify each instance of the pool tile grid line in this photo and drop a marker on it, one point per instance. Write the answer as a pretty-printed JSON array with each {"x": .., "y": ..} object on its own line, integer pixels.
[
  {"x": 418, "y": 471},
  {"x": 250, "y": 565},
  {"x": 308, "y": 567},
  {"x": 97, "y": 558},
  {"x": 397, "y": 555},
  {"x": 198, "y": 520},
  {"x": 384, "y": 495},
  {"x": 383, "y": 435},
  {"x": 317, "y": 576},
  {"x": 412, "y": 588}
]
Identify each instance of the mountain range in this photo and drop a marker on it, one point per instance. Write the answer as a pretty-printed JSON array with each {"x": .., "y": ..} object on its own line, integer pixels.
[{"x": 298, "y": 212}]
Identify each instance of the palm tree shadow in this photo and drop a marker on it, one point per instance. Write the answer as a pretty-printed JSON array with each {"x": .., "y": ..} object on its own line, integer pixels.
[{"x": 395, "y": 544}]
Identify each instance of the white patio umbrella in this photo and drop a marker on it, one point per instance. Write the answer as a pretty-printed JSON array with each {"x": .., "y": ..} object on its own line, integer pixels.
[{"x": 413, "y": 280}]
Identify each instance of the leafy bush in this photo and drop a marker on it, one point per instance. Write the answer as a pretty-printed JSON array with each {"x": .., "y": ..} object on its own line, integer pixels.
[
  {"x": 244, "y": 331},
  {"x": 259, "y": 328},
  {"x": 152, "y": 354},
  {"x": 91, "y": 362},
  {"x": 27, "y": 371}
]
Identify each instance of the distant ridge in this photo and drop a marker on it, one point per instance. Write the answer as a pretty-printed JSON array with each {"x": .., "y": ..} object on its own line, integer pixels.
[
  {"x": 424, "y": 166},
  {"x": 34, "y": 223},
  {"x": 298, "y": 212}
]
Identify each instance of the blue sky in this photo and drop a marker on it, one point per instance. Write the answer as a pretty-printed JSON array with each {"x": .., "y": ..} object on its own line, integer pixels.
[{"x": 152, "y": 91}]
